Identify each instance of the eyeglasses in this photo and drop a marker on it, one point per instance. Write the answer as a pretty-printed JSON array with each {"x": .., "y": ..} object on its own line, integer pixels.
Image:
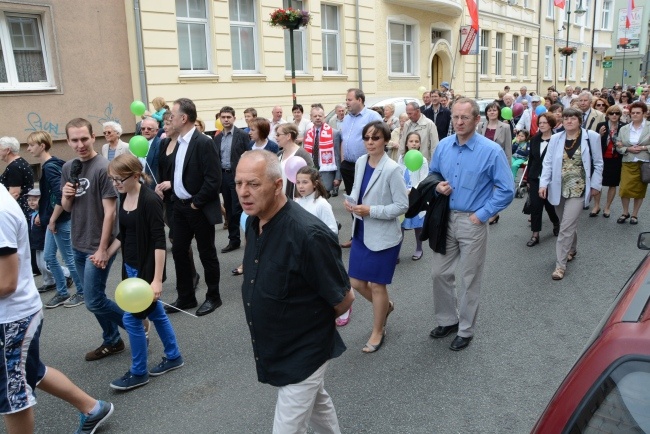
[
  {"x": 118, "y": 180},
  {"x": 106, "y": 133},
  {"x": 373, "y": 138},
  {"x": 148, "y": 129},
  {"x": 461, "y": 118}
]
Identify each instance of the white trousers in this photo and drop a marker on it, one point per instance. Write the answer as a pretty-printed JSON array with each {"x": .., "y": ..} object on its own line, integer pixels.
[{"x": 306, "y": 404}]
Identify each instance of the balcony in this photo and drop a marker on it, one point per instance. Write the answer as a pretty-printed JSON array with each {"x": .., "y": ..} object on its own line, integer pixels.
[{"x": 452, "y": 8}]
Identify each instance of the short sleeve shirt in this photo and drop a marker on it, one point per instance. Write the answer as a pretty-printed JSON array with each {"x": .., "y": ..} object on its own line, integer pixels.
[
  {"x": 88, "y": 208},
  {"x": 293, "y": 278},
  {"x": 19, "y": 174}
]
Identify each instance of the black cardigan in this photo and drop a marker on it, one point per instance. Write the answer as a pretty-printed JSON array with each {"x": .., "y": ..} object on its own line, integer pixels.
[
  {"x": 150, "y": 233},
  {"x": 424, "y": 197},
  {"x": 535, "y": 159},
  {"x": 605, "y": 138}
]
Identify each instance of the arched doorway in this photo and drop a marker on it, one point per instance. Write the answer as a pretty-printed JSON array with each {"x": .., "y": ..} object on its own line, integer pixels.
[{"x": 437, "y": 74}]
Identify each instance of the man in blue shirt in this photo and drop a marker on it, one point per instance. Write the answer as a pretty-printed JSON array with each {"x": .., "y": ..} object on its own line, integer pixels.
[
  {"x": 479, "y": 185},
  {"x": 352, "y": 141}
]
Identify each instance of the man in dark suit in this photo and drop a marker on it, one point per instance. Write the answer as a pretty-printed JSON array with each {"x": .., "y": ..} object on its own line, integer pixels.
[
  {"x": 441, "y": 116},
  {"x": 426, "y": 98},
  {"x": 150, "y": 132},
  {"x": 230, "y": 145},
  {"x": 195, "y": 184}
]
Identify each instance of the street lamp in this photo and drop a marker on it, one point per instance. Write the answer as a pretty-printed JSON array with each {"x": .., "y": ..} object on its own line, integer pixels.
[{"x": 579, "y": 12}]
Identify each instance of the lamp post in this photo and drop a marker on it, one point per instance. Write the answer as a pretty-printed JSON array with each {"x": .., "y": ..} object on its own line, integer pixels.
[{"x": 580, "y": 11}]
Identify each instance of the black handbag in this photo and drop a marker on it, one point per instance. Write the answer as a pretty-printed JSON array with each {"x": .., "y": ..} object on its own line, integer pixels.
[
  {"x": 526, "y": 209},
  {"x": 645, "y": 173}
]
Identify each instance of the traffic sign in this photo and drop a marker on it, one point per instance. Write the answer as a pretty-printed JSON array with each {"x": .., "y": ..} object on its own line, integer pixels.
[{"x": 607, "y": 63}]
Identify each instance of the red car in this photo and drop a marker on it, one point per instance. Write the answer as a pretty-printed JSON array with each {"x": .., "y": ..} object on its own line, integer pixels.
[{"x": 608, "y": 388}]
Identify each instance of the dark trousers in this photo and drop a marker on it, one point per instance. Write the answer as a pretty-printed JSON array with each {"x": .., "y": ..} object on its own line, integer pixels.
[
  {"x": 537, "y": 206},
  {"x": 191, "y": 223},
  {"x": 347, "y": 173},
  {"x": 232, "y": 205}
]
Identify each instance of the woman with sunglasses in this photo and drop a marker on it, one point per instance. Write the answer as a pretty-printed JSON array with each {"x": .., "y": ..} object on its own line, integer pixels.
[
  {"x": 625, "y": 100},
  {"x": 608, "y": 131},
  {"x": 601, "y": 105},
  {"x": 633, "y": 143}
]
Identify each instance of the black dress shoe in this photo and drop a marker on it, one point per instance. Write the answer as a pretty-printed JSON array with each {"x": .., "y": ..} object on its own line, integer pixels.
[
  {"x": 208, "y": 306},
  {"x": 442, "y": 331},
  {"x": 46, "y": 288},
  {"x": 237, "y": 271},
  {"x": 175, "y": 306},
  {"x": 460, "y": 343},
  {"x": 195, "y": 283},
  {"x": 230, "y": 248}
]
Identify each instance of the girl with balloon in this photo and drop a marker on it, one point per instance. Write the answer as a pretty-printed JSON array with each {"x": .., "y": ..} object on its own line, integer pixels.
[
  {"x": 416, "y": 168},
  {"x": 290, "y": 155},
  {"x": 142, "y": 242}
]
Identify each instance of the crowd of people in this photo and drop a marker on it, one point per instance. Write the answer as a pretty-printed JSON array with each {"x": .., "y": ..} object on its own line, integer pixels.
[{"x": 272, "y": 181}]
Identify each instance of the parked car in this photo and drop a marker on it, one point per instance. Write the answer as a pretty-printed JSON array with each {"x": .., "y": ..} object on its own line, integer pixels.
[
  {"x": 399, "y": 102},
  {"x": 608, "y": 388}
]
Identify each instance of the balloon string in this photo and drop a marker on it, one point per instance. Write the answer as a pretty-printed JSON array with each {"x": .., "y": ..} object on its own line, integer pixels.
[
  {"x": 147, "y": 165},
  {"x": 180, "y": 310}
]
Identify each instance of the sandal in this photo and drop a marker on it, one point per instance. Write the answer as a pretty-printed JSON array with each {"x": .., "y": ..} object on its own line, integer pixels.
[
  {"x": 558, "y": 274},
  {"x": 634, "y": 220},
  {"x": 417, "y": 256},
  {"x": 570, "y": 256},
  {"x": 370, "y": 348},
  {"x": 622, "y": 218},
  {"x": 533, "y": 241}
]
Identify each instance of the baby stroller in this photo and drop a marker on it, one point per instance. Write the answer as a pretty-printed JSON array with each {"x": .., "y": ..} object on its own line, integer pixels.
[{"x": 522, "y": 187}]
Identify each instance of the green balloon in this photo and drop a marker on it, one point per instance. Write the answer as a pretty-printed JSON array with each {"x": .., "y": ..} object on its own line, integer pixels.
[
  {"x": 506, "y": 113},
  {"x": 413, "y": 160},
  {"x": 139, "y": 146},
  {"x": 133, "y": 295},
  {"x": 639, "y": 90},
  {"x": 138, "y": 108}
]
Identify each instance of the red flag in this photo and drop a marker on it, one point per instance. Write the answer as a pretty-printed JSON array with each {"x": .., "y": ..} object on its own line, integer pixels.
[
  {"x": 628, "y": 17},
  {"x": 473, "y": 13},
  {"x": 559, "y": 3}
]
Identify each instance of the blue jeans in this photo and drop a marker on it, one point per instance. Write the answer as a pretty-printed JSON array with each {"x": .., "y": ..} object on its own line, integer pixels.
[
  {"x": 93, "y": 279},
  {"x": 61, "y": 241},
  {"x": 137, "y": 337}
]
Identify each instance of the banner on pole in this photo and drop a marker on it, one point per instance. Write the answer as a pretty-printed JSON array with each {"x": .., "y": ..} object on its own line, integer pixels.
[{"x": 468, "y": 40}]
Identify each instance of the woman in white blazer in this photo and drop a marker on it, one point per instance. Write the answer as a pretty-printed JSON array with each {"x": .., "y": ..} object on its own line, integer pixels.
[
  {"x": 571, "y": 172},
  {"x": 377, "y": 200},
  {"x": 114, "y": 146}
]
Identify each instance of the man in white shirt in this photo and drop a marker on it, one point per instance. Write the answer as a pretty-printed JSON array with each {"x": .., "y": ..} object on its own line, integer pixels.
[
  {"x": 276, "y": 120},
  {"x": 566, "y": 99}
]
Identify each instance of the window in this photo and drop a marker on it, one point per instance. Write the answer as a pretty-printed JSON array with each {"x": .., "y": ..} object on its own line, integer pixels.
[
  {"x": 400, "y": 41},
  {"x": 514, "y": 69},
  {"x": 526, "y": 56},
  {"x": 299, "y": 42},
  {"x": 619, "y": 403},
  {"x": 498, "y": 55},
  {"x": 192, "y": 27},
  {"x": 572, "y": 67},
  {"x": 550, "y": 9},
  {"x": 527, "y": 4},
  {"x": 485, "y": 51},
  {"x": 331, "y": 38},
  {"x": 24, "y": 62},
  {"x": 584, "y": 67},
  {"x": 436, "y": 35},
  {"x": 243, "y": 35},
  {"x": 548, "y": 63},
  {"x": 606, "y": 23},
  {"x": 562, "y": 65}
]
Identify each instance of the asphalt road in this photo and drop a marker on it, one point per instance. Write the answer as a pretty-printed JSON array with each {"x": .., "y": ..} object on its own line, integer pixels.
[{"x": 530, "y": 331}]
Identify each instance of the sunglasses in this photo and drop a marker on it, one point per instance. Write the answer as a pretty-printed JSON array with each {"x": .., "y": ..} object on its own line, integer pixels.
[
  {"x": 373, "y": 138},
  {"x": 616, "y": 113}
]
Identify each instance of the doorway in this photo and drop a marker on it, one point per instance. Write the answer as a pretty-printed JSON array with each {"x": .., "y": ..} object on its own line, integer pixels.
[{"x": 436, "y": 72}]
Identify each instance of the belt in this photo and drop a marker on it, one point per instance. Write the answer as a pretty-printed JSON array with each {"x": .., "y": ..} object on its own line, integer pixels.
[
  {"x": 185, "y": 201},
  {"x": 226, "y": 170}
]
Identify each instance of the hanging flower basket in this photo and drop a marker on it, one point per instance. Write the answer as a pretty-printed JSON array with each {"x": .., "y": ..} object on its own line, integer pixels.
[
  {"x": 567, "y": 51},
  {"x": 290, "y": 18}
]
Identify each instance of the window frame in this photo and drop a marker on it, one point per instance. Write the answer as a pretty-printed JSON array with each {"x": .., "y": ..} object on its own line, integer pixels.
[
  {"x": 562, "y": 65},
  {"x": 584, "y": 62},
  {"x": 13, "y": 84},
  {"x": 498, "y": 54},
  {"x": 246, "y": 24},
  {"x": 572, "y": 67},
  {"x": 514, "y": 56},
  {"x": 606, "y": 21},
  {"x": 337, "y": 33},
  {"x": 208, "y": 41},
  {"x": 412, "y": 44},
  {"x": 484, "y": 52},
  {"x": 528, "y": 46},
  {"x": 548, "y": 62},
  {"x": 550, "y": 9}
]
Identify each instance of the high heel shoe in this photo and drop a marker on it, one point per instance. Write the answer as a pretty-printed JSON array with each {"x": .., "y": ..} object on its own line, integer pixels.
[
  {"x": 495, "y": 221},
  {"x": 370, "y": 348}
]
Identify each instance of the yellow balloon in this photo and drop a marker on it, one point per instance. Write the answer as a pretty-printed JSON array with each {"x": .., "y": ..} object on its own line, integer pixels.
[
  {"x": 422, "y": 89},
  {"x": 133, "y": 295},
  {"x": 541, "y": 100},
  {"x": 218, "y": 124}
]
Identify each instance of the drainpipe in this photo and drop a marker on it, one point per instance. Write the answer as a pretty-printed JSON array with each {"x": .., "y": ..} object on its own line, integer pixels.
[
  {"x": 591, "y": 55},
  {"x": 359, "y": 70},
  {"x": 138, "y": 38},
  {"x": 539, "y": 41}
]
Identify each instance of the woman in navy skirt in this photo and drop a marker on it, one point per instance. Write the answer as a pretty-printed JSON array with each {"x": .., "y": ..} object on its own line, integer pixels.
[{"x": 377, "y": 200}]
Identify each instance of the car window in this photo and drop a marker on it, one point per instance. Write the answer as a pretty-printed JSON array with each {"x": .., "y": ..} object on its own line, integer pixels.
[{"x": 620, "y": 403}]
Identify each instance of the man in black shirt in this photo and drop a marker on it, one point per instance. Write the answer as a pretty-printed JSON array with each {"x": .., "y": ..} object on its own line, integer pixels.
[{"x": 295, "y": 286}]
